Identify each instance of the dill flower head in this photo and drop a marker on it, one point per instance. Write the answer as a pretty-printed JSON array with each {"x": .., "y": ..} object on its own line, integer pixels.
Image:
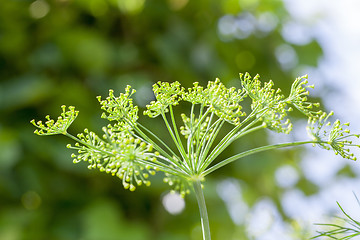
[
  {"x": 60, "y": 126},
  {"x": 166, "y": 94},
  {"x": 335, "y": 136},
  {"x": 120, "y": 108},
  {"x": 132, "y": 152},
  {"x": 118, "y": 154}
]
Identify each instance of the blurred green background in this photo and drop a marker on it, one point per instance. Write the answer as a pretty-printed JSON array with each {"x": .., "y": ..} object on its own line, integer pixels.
[{"x": 70, "y": 51}]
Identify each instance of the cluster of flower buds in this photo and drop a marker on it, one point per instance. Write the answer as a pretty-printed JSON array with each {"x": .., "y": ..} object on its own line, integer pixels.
[
  {"x": 120, "y": 108},
  {"x": 118, "y": 154},
  {"x": 335, "y": 136},
  {"x": 224, "y": 102},
  {"x": 60, "y": 126},
  {"x": 194, "y": 95},
  {"x": 298, "y": 97},
  {"x": 166, "y": 94},
  {"x": 268, "y": 104}
]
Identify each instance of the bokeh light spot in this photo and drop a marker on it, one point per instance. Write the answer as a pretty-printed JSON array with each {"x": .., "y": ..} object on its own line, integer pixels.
[
  {"x": 286, "y": 56},
  {"x": 226, "y": 25},
  {"x": 286, "y": 176},
  {"x": 31, "y": 200},
  {"x": 296, "y": 33},
  {"x": 39, "y": 9},
  {"x": 230, "y": 192},
  {"x": 236, "y": 27},
  {"x": 267, "y": 22},
  {"x": 131, "y": 6},
  {"x": 177, "y": 4},
  {"x": 245, "y": 25},
  {"x": 173, "y": 203}
]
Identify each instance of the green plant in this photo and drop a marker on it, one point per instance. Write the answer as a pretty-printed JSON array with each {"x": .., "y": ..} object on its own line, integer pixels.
[
  {"x": 132, "y": 152},
  {"x": 348, "y": 230}
]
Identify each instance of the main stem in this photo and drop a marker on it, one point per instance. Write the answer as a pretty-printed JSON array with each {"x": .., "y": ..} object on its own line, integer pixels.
[{"x": 202, "y": 208}]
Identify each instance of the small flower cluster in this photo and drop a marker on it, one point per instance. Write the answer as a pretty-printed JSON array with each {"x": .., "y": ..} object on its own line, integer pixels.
[
  {"x": 120, "y": 108},
  {"x": 118, "y": 154},
  {"x": 272, "y": 107},
  {"x": 195, "y": 95},
  {"x": 60, "y": 126},
  {"x": 166, "y": 94},
  {"x": 224, "y": 102},
  {"x": 298, "y": 98},
  {"x": 332, "y": 136},
  {"x": 267, "y": 103}
]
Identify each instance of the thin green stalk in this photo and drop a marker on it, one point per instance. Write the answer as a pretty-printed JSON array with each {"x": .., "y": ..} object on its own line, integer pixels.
[
  {"x": 165, "y": 168},
  {"x": 193, "y": 136},
  {"x": 221, "y": 147},
  {"x": 177, "y": 135},
  {"x": 205, "y": 150},
  {"x": 234, "y": 134},
  {"x": 190, "y": 137},
  {"x": 252, "y": 151},
  {"x": 197, "y": 128},
  {"x": 178, "y": 144},
  {"x": 86, "y": 144},
  {"x": 197, "y": 137},
  {"x": 145, "y": 138},
  {"x": 202, "y": 208},
  {"x": 193, "y": 151},
  {"x": 207, "y": 139},
  {"x": 157, "y": 147},
  {"x": 228, "y": 139}
]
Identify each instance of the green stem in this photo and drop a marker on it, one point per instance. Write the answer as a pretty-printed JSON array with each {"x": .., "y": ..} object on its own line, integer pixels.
[
  {"x": 221, "y": 147},
  {"x": 167, "y": 156},
  {"x": 202, "y": 208},
  {"x": 252, "y": 151},
  {"x": 146, "y": 138},
  {"x": 86, "y": 144},
  {"x": 175, "y": 138},
  {"x": 208, "y": 143}
]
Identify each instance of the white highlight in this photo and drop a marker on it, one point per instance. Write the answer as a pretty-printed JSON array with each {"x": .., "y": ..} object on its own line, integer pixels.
[
  {"x": 286, "y": 176},
  {"x": 39, "y": 9},
  {"x": 173, "y": 203},
  {"x": 230, "y": 192}
]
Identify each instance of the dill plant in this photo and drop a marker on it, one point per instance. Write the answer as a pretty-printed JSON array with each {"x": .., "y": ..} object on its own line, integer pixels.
[{"x": 132, "y": 152}]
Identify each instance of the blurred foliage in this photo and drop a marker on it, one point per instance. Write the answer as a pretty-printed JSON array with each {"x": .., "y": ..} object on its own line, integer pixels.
[{"x": 68, "y": 52}]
